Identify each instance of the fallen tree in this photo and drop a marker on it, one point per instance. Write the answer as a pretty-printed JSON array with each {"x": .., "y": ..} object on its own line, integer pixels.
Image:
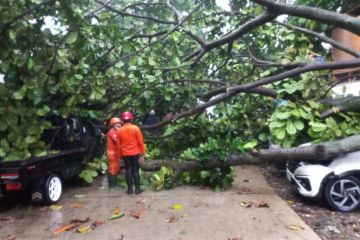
[{"x": 316, "y": 152}]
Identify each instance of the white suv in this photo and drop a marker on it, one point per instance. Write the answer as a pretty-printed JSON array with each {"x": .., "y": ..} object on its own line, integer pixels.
[{"x": 337, "y": 181}]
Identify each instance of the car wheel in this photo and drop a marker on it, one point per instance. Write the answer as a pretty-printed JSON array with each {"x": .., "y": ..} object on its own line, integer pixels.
[
  {"x": 53, "y": 188},
  {"x": 343, "y": 194}
]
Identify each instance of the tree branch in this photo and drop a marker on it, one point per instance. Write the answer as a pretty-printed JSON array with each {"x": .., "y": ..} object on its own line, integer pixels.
[
  {"x": 323, "y": 38},
  {"x": 232, "y": 91},
  {"x": 124, "y": 13},
  {"x": 341, "y": 20}
]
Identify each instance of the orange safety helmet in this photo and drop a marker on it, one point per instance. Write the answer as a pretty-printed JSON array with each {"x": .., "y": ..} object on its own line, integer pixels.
[
  {"x": 115, "y": 120},
  {"x": 126, "y": 116}
]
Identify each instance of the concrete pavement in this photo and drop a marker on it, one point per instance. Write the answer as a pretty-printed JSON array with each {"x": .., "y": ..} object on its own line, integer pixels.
[{"x": 205, "y": 214}]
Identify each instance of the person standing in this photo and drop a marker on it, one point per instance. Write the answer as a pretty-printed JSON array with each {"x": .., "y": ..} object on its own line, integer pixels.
[
  {"x": 114, "y": 164},
  {"x": 130, "y": 146},
  {"x": 152, "y": 119}
]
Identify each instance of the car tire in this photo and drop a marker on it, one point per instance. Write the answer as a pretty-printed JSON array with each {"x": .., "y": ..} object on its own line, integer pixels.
[
  {"x": 343, "y": 194},
  {"x": 53, "y": 189}
]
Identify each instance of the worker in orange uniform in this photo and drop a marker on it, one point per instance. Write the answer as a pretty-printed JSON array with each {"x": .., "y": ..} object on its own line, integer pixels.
[
  {"x": 114, "y": 164},
  {"x": 130, "y": 146}
]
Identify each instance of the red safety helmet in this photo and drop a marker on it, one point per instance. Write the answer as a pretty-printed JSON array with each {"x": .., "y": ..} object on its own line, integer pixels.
[
  {"x": 115, "y": 120},
  {"x": 126, "y": 116}
]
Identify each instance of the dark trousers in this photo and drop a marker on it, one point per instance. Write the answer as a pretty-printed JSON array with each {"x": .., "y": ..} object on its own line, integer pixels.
[{"x": 132, "y": 167}]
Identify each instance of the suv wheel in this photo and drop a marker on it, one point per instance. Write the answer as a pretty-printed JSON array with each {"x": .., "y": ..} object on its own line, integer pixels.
[
  {"x": 343, "y": 194},
  {"x": 53, "y": 188}
]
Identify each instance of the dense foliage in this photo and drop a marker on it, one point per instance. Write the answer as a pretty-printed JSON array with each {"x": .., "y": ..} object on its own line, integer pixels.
[{"x": 94, "y": 59}]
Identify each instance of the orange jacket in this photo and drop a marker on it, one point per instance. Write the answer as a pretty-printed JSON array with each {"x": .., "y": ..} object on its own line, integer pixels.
[
  {"x": 129, "y": 141},
  {"x": 111, "y": 142}
]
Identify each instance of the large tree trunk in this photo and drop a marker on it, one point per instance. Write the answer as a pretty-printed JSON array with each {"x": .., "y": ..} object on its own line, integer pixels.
[{"x": 316, "y": 152}]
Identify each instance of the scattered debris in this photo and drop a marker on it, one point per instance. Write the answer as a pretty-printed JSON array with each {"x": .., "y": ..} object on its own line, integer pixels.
[
  {"x": 244, "y": 190},
  {"x": 79, "y": 195},
  {"x": 290, "y": 202},
  {"x": 85, "y": 229},
  {"x": 97, "y": 223},
  {"x": 76, "y": 220},
  {"x": 116, "y": 211},
  {"x": 77, "y": 205},
  {"x": 246, "y": 180},
  {"x": 295, "y": 227},
  {"x": 65, "y": 228},
  {"x": 172, "y": 219},
  {"x": 12, "y": 237},
  {"x": 116, "y": 216},
  {"x": 137, "y": 214},
  {"x": 7, "y": 218},
  {"x": 143, "y": 200},
  {"x": 55, "y": 207},
  {"x": 177, "y": 207},
  {"x": 332, "y": 229},
  {"x": 236, "y": 238},
  {"x": 44, "y": 209},
  {"x": 254, "y": 203}
]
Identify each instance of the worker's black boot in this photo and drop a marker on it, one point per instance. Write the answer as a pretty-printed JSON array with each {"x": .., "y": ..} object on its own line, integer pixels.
[
  {"x": 129, "y": 182},
  {"x": 110, "y": 181},
  {"x": 113, "y": 182},
  {"x": 137, "y": 183}
]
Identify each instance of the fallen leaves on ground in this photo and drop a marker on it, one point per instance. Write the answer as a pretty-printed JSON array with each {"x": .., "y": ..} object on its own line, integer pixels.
[
  {"x": 77, "y": 205},
  {"x": 116, "y": 211},
  {"x": 7, "y": 218},
  {"x": 244, "y": 189},
  {"x": 85, "y": 229},
  {"x": 137, "y": 214},
  {"x": 172, "y": 219},
  {"x": 143, "y": 200},
  {"x": 254, "y": 203},
  {"x": 55, "y": 207},
  {"x": 116, "y": 216},
  {"x": 177, "y": 207},
  {"x": 296, "y": 227},
  {"x": 66, "y": 228},
  {"x": 76, "y": 220},
  {"x": 290, "y": 202},
  {"x": 97, "y": 223},
  {"x": 44, "y": 209},
  {"x": 79, "y": 195}
]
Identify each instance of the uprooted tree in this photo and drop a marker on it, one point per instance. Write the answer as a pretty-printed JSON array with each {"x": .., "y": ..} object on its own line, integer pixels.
[{"x": 260, "y": 74}]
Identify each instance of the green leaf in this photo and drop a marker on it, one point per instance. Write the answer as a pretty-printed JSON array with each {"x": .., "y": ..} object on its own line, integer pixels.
[
  {"x": 280, "y": 133},
  {"x": 317, "y": 127},
  {"x": 251, "y": 144},
  {"x": 290, "y": 128},
  {"x": 299, "y": 125},
  {"x": 19, "y": 95},
  {"x": 11, "y": 119},
  {"x": 2, "y": 152},
  {"x": 151, "y": 61},
  {"x": 30, "y": 139},
  {"x": 204, "y": 174},
  {"x": 71, "y": 38},
  {"x": 78, "y": 76},
  {"x": 282, "y": 115},
  {"x": 12, "y": 35}
]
